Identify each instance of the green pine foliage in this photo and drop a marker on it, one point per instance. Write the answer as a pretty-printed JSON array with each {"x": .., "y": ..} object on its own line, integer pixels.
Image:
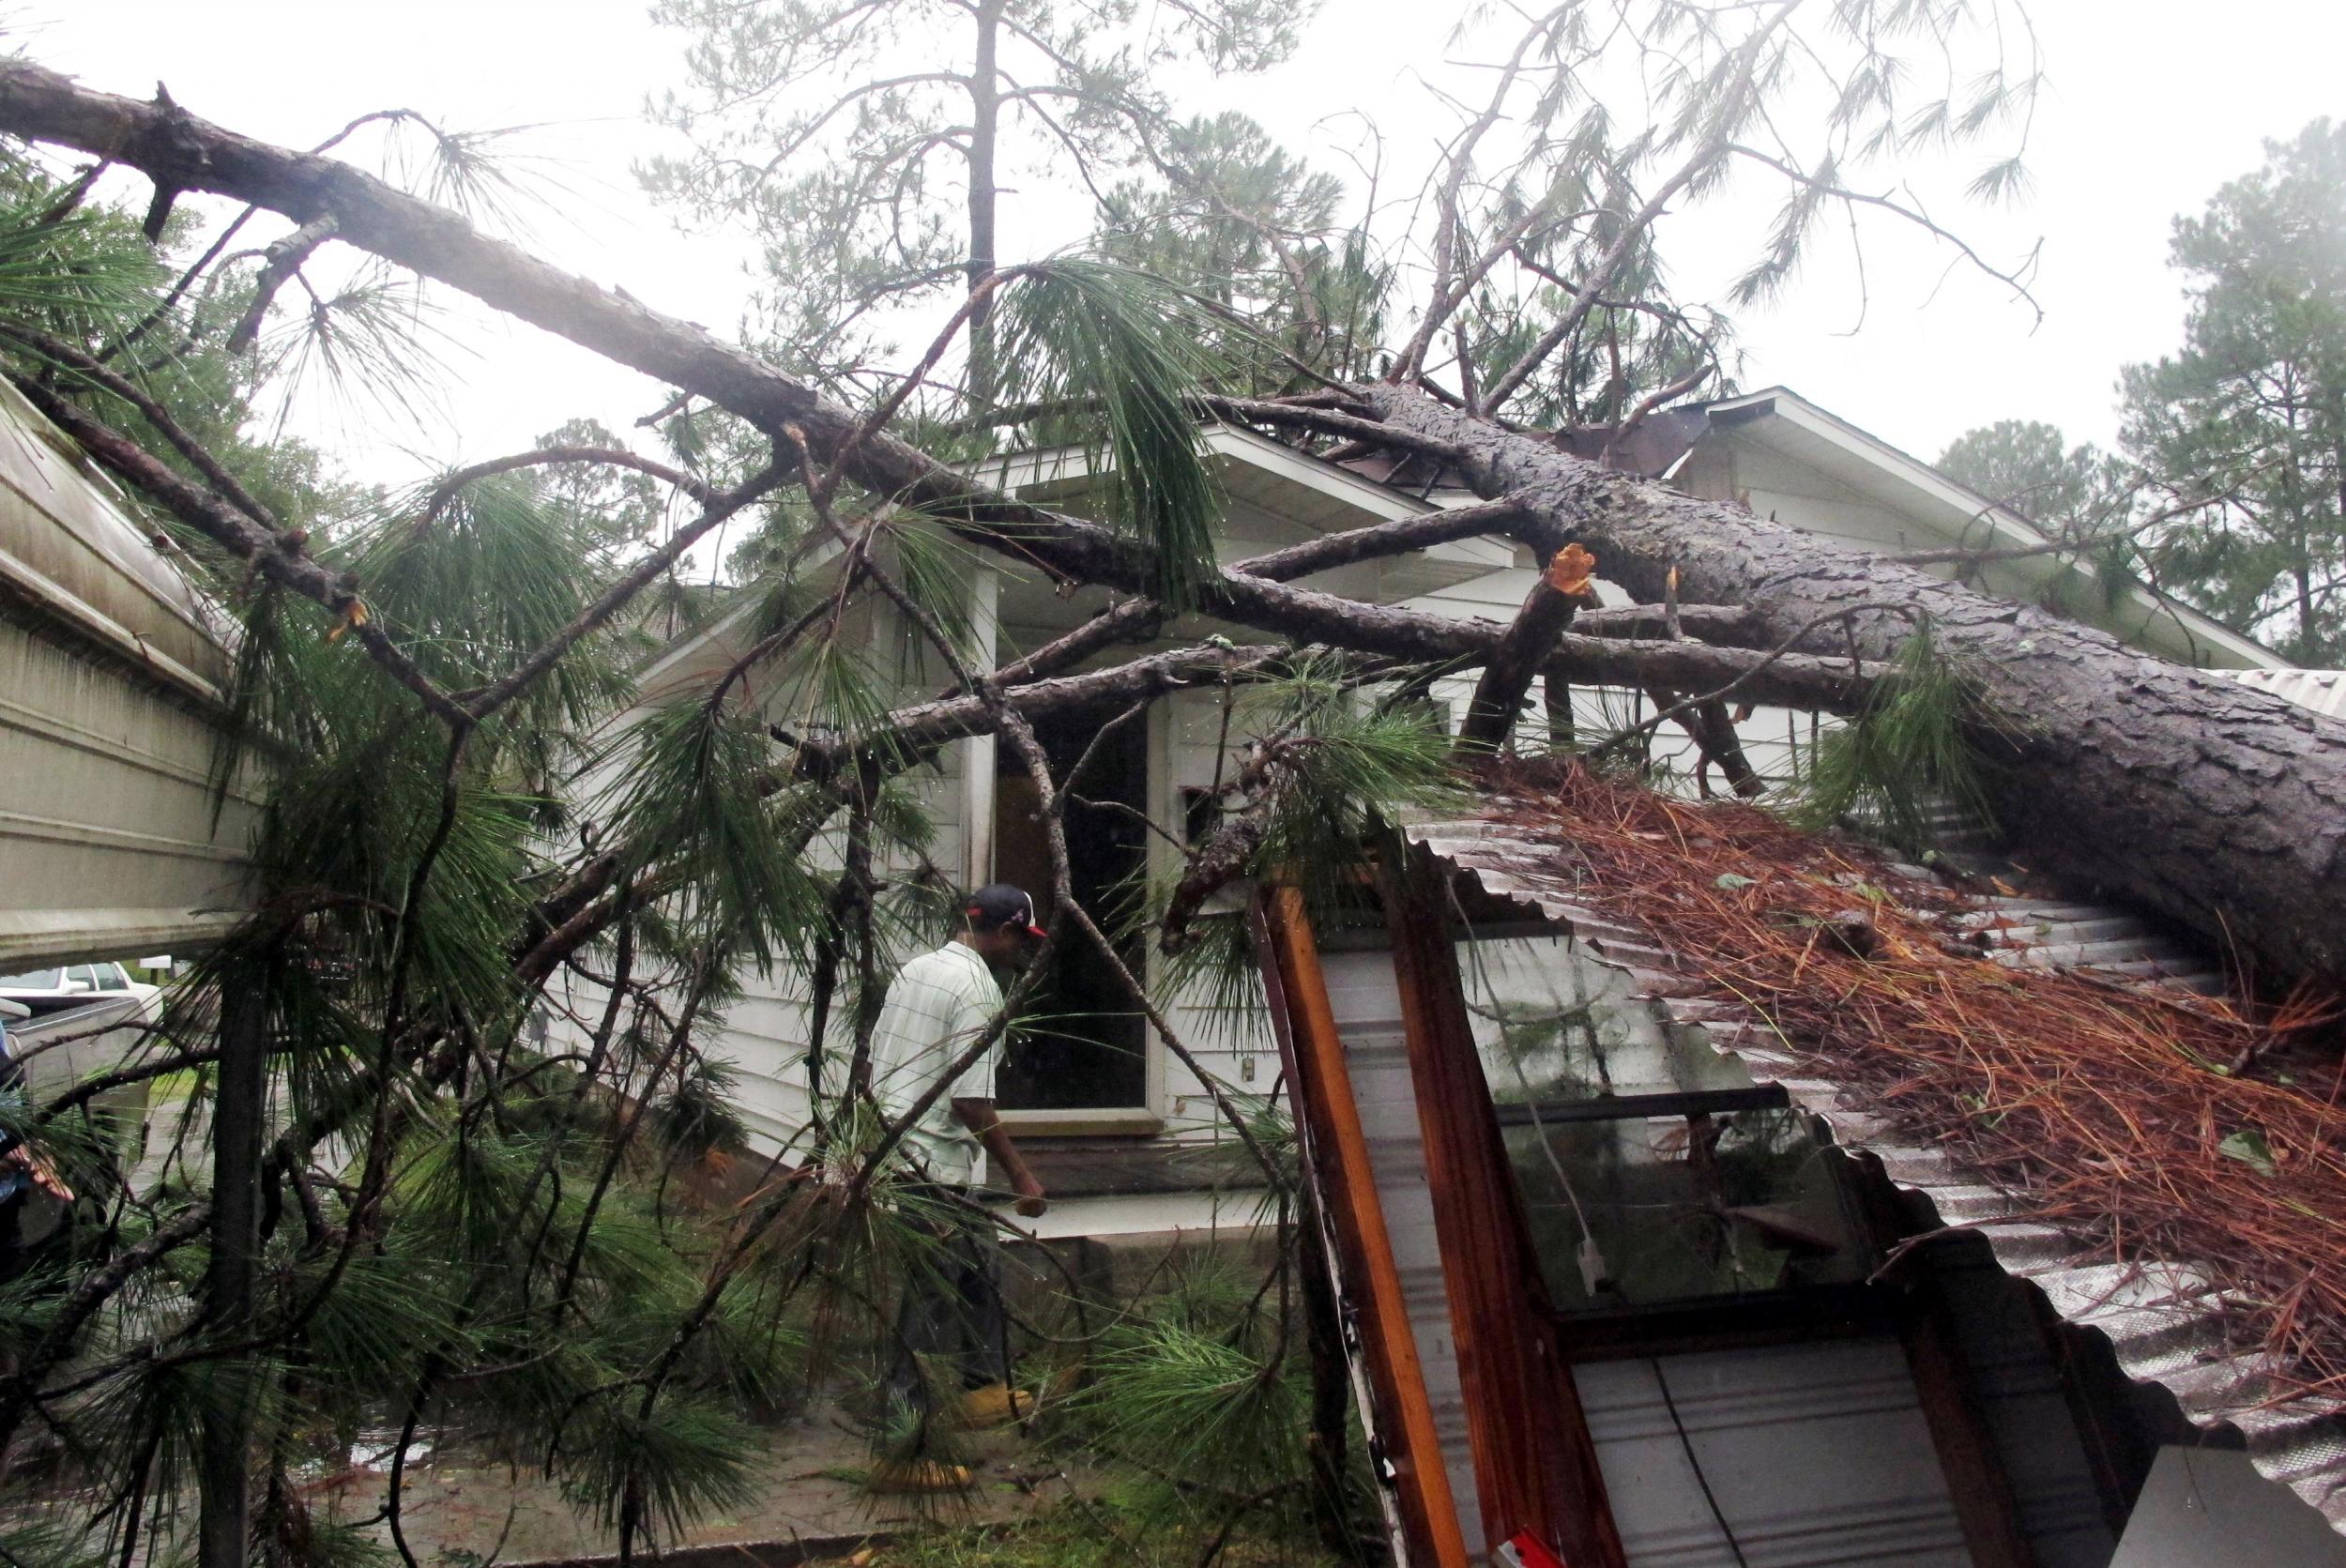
[
  {"x": 1094, "y": 337},
  {"x": 1914, "y": 752},
  {"x": 693, "y": 797},
  {"x": 1257, "y": 236},
  {"x": 2242, "y": 431},
  {"x": 1320, "y": 758}
]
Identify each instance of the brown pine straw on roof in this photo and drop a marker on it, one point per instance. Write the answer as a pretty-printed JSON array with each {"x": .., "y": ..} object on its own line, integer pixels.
[{"x": 2102, "y": 1109}]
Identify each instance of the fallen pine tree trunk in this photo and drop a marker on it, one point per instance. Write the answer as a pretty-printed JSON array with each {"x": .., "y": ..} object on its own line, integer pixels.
[{"x": 2213, "y": 802}]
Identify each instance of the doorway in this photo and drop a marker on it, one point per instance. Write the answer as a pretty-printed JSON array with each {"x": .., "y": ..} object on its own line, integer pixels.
[{"x": 1082, "y": 1047}]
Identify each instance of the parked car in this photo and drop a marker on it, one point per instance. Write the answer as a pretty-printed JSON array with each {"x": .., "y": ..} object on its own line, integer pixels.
[{"x": 70, "y": 985}]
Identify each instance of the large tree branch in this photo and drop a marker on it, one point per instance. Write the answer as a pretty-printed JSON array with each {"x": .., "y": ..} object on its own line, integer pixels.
[
  {"x": 1834, "y": 685},
  {"x": 282, "y": 259},
  {"x": 283, "y": 558},
  {"x": 1318, "y": 419},
  {"x": 177, "y": 148},
  {"x": 1134, "y": 620},
  {"x": 1063, "y": 700},
  {"x": 700, "y": 490},
  {"x": 1399, "y": 635},
  {"x": 1730, "y": 625},
  {"x": 179, "y": 151},
  {"x": 2220, "y": 805},
  {"x": 1517, "y": 656},
  {"x": 1400, "y": 537}
]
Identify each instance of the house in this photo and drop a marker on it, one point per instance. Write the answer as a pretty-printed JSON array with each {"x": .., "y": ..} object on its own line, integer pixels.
[
  {"x": 1113, "y": 1119},
  {"x": 1772, "y": 1323}
]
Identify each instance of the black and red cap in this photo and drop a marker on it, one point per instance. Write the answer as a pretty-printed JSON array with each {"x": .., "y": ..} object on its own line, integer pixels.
[{"x": 998, "y": 906}]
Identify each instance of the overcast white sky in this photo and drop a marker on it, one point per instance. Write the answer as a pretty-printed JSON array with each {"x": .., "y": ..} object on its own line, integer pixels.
[{"x": 2152, "y": 105}]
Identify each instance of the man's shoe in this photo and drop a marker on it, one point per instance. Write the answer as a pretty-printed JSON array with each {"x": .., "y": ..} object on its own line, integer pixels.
[
  {"x": 918, "y": 1475},
  {"x": 995, "y": 1405}
]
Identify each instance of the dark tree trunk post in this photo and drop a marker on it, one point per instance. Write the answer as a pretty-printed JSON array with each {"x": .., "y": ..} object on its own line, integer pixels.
[
  {"x": 1522, "y": 648},
  {"x": 985, "y": 113},
  {"x": 857, "y": 873},
  {"x": 1713, "y": 730},
  {"x": 1330, "y": 1434},
  {"x": 1556, "y": 698},
  {"x": 240, "y": 1110}
]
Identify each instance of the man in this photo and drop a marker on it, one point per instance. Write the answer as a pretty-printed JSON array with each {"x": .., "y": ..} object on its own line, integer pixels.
[
  {"x": 939, "y": 1007},
  {"x": 22, "y": 1172}
]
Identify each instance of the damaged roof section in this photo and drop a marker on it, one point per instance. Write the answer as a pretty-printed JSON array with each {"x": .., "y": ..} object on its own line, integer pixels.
[{"x": 2158, "y": 1161}]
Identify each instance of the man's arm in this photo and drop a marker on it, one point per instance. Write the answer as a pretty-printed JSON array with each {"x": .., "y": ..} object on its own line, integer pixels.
[{"x": 979, "y": 1118}]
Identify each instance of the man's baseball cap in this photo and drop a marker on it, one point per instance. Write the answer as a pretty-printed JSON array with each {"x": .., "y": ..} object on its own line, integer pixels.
[{"x": 999, "y": 905}]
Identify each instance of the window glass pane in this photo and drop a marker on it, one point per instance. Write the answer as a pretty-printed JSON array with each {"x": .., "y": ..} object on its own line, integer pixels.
[
  {"x": 1680, "y": 1208},
  {"x": 111, "y": 977},
  {"x": 1631, "y": 1204},
  {"x": 32, "y": 980},
  {"x": 82, "y": 972},
  {"x": 1553, "y": 1023}
]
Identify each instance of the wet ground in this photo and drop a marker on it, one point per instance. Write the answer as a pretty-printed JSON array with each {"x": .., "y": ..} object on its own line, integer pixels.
[{"x": 811, "y": 1488}]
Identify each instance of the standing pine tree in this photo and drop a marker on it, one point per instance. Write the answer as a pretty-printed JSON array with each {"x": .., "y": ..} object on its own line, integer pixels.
[
  {"x": 2026, "y": 464},
  {"x": 2246, "y": 425},
  {"x": 871, "y": 145}
]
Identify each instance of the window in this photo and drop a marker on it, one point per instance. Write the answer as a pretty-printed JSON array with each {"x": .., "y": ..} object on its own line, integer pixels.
[
  {"x": 1652, "y": 1173},
  {"x": 1668, "y": 1199},
  {"x": 82, "y": 975},
  {"x": 32, "y": 980},
  {"x": 1081, "y": 1046},
  {"x": 111, "y": 977}
]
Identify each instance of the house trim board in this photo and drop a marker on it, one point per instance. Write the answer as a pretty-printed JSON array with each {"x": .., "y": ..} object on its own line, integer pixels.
[
  {"x": 1395, "y": 1406},
  {"x": 1535, "y": 1462}
]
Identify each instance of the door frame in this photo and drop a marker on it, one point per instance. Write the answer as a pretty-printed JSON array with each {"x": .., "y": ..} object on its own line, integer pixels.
[{"x": 980, "y": 757}]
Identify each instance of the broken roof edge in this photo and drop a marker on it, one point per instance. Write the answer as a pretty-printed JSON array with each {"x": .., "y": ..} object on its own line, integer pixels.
[{"x": 2163, "y": 1318}]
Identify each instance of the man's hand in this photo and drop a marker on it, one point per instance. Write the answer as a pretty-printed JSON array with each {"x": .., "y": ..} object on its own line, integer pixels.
[
  {"x": 1032, "y": 1202},
  {"x": 45, "y": 1175},
  {"x": 980, "y": 1116}
]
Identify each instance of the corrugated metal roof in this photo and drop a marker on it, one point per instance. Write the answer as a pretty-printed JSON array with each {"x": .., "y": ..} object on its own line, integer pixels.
[
  {"x": 2322, "y": 691},
  {"x": 2165, "y": 1319}
]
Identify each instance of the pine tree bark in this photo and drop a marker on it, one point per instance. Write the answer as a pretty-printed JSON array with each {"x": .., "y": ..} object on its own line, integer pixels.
[
  {"x": 985, "y": 112},
  {"x": 2220, "y": 805},
  {"x": 239, "y": 1111}
]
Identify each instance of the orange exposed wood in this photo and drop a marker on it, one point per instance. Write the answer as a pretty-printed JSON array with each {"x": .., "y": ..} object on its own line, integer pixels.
[
  {"x": 1322, "y": 1089},
  {"x": 1534, "y": 1461}
]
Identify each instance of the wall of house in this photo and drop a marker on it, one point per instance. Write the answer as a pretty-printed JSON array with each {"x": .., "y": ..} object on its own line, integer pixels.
[
  {"x": 762, "y": 1035},
  {"x": 763, "y": 1031},
  {"x": 1739, "y": 469}
]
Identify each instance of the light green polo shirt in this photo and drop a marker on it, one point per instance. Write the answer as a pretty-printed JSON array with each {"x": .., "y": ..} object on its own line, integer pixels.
[{"x": 940, "y": 1002}]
